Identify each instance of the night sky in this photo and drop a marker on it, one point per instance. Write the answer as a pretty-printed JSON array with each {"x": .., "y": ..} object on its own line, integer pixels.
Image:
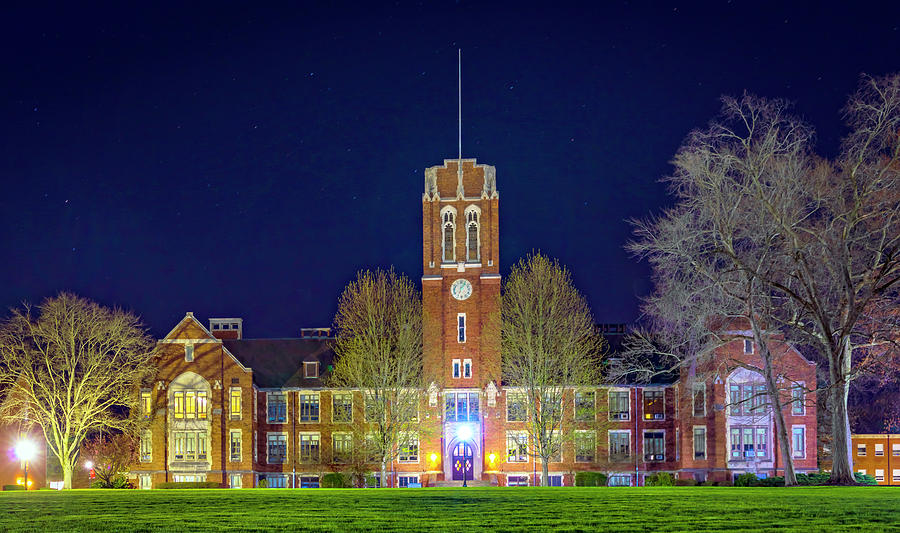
[{"x": 244, "y": 161}]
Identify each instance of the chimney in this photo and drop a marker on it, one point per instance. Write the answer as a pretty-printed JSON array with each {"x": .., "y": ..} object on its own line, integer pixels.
[{"x": 227, "y": 328}]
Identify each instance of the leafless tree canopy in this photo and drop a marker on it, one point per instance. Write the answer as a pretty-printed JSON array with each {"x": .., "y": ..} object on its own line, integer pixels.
[
  {"x": 549, "y": 344},
  {"x": 768, "y": 230},
  {"x": 73, "y": 369},
  {"x": 379, "y": 351}
]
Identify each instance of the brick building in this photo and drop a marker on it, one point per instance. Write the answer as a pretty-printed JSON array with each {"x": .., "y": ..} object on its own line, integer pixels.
[
  {"x": 877, "y": 455},
  {"x": 236, "y": 411}
]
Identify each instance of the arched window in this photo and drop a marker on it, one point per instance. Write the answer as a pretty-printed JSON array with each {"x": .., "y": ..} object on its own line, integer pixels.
[
  {"x": 472, "y": 235},
  {"x": 449, "y": 240}
]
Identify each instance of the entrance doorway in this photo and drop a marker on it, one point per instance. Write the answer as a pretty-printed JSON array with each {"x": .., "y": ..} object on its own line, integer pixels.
[{"x": 463, "y": 463}]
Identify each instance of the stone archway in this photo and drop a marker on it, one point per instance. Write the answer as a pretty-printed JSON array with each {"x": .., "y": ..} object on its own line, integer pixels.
[{"x": 453, "y": 441}]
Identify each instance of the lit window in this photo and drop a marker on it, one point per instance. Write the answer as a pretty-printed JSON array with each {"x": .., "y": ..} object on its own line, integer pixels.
[
  {"x": 190, "y": 404},
  {"x": 461, "y": 325},
  {"x": 146, "y": 404},
  {"x": 409, "y": 450},
  {"x": 896, "y": 448},
  {"x": 201, "y": 404},
  {"x": 654, "y": 405},
  {"x": 235, "y": 402},
  {"x": 179, "y": 405},
  {"x": 461, "y": 407},
  {"x": 516, "y": 446}
]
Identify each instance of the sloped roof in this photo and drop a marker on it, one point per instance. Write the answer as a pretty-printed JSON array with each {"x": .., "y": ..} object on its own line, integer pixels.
[{"x": 278, "y": 363}]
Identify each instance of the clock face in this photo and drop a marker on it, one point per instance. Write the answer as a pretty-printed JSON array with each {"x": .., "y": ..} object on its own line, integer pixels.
[{"x": 461, "y": 289}]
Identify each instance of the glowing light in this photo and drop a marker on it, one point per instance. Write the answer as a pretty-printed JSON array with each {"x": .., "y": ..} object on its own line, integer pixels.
[
  {"x": 434, "y": 458},
  {"x": 464, "y": 432},
  {"x": 25, "y": 450},
  {"x": 89, "y": 464},
  {"x": 492, "y": 457}
]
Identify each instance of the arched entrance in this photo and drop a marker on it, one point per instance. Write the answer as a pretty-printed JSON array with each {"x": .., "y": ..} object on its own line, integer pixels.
[
  {"x": 462, "y": 461},
  {"x": 463, "y": 456}
]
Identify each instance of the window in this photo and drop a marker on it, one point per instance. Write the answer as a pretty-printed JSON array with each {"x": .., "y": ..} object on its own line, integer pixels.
[
  {"x": 196, "y": 478},
  {"x": 188, "y": 352},
  {"x": 516, "y": 480},
  {"x": 190, "y": 404},
  {"x": 189, "y": 445},
  {"x": 472, "y": 235},
  {"x": 467, "y": 368},
  {"x": 310, "y": 369},
  {"x": 516, "y": 446},
  {"x": 749, "y": 443},
  {"x": 309, "y": 482},
  {"x": 515, "y": 407},
  {"x": 277, "y": 407},
  {"x": 748, "y": 346},
  {"x": 619, "y": 480},
  {"x": 449, "y": 241},
  {"x": 556, "y": 480},
  {"x": 341, "y": 408},
  {"x": 879, "y": 475},
  {"x": 146, "y": 447},
  {"x": 860, "y": 450},
  {"x": 276, "y": 481},
  {"x": 585, "y": 446},
  {"x": 405, "y": 482},
  {"x": 797, "y": 407},
  {"x": 309, "y": 448},
  {"x": 235, "y": 445},
  {"x": 698, "y": 399},
  {"x": 456, "y": 368},
  {"x": 146, "y": 482},
  {"x": 342, "y": 447},
  {"x": 372, "y": 408},
  {"x": 896, "y": 448},
  {"x": 654, "y": 446},
  {"x": 862, "y": 471},
  {"x": 146, "y": 404},
  {"x": 798, "y": 441},
  {"x": 461, "y": 325},
  {"x": 700, "y": 442},
  {"x": 409, "y": 450},
  {"x": 255, "y": 447},
  {"x": 584, "y": 406},
  {"x": 276, "y": 448},
  {"x": 619, "y": 445},
  {"x": 896, "y": 475},
  {"x": 879, "y": 450},
  {"x": 654, "y": 405},
  {"x": 309, "y": 407},
  {"x": 234, "y": 481},
  {"x": 461, "y": 406},
  {"x": 235, "y": 403},
  {"x": 747, "y": 398},
  {"x": 619, "y": 405}
]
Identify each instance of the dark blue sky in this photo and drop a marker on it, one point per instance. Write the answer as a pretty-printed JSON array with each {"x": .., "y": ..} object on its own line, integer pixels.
[{"x": 241, "y": 161}]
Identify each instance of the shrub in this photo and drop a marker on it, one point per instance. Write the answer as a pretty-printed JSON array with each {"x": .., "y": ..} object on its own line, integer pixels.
[
  {"x": 660, "y": 479},
  {"x": 335, "y": 480},
  {"x": 590, "y": 479},
  {"x": 118, "y": 482},
  {"x": 189, "y": 485},
  {"x": 263, "y": 484},
  {"x": 685, "y": 482},
  {"x": 773, "y": 481},
  {"x": 864, "y": 479},
  {"x": 747, "y": 479},
  {"x": 13, "y": 487}
]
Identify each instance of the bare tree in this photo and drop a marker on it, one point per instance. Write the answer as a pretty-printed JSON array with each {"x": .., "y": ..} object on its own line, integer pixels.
[
  {"x": 112, "y": 455},
  {"x": 549, "y": 345},
  {"x": 379, "y": 351},
  {"x": 72, "y": 370},
  {"x": 825, "y": 234}
]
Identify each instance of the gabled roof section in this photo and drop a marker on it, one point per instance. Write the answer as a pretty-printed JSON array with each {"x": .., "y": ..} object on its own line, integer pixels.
[
  {"x": 278, "y": 363},
  {"x": 188, "y": 328}
]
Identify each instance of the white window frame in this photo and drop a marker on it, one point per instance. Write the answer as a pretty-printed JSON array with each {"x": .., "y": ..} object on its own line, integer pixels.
[
  {"x": 794, "y": 451},
  {"x": 444, "y": 221},
  {"x": 644, "y": 445},
  {"x": 694, "y": 443},
  {"x": 895, "y": 449},
  {"x": 189, "y": 352},
  {"x": 456, "y": 370},
  {"x": 240, "y": 402},
  {"x": 461, "y": 332},
  {"x": 860, "y": 448},
  {"x": 334, "y": 440},
  {"x": 519, "y": 396},
  {"x": 800, "y": 385},
  {"x": 468, "y": 212},
  {"x": 307, "y": 365},
  {"x": 695, "y": 388},
  {"x": 467, "y": 368},
  {"x": 879, "y": 475},
  {"x": 146, "y": 443},
  {"x": 145, "y": 481},
  {"x": 518, "y": 476},
  {"x": 318, "y": 398},
  {"x": 896, "y": 475},
  {"x": 408, "y": 478},
  {"x": 879, "y": 449},
  {"x": 582, "y": 433},
  {"x": 748, "y": 344},
  {"x": 231, "y": 481},
  {"x": 334, "y": 395},
  {"x": 409, "y": 438},
  {"x": 627, "y": 403},
  {"x": 593, "y": 414},
  {"x": 287, "y": 454},
  {"x": 287, "y": 411},
  {"x": 318, "y": 439},
  {"x": 609, "y": 450},
  {"x": 240, "y": 441},
  {"x": 644, "y": 403},
  {"x": 517, "y": 434}
]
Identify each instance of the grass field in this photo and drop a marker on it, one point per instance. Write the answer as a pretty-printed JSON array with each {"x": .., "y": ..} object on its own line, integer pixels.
[{"x": 457, "y": 509}]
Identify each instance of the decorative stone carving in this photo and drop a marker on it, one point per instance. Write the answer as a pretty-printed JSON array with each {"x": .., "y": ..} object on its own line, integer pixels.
[
  {"x": 491, "y": 394},
  {"x": 490, "y": 182},
  {"x": 217, "y": 385},
  {"x": 160, "y": 385},
  {"x": 430, "y": 184},
  {"x": 460, "y": 192},
  {"x": 432, "y": 394}
]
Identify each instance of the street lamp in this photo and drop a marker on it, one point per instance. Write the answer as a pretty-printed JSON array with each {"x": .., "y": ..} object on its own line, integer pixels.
[
  {"x": 465, "y": 435},
  {"x": 25, "y": 451}
]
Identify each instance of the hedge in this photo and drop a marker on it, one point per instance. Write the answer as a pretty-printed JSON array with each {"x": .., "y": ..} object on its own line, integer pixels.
[
  {"x": 13, "y": 487},
  {"x": 189, "y": 485},
  {"x": 590, "y": 479},
  {"x": 685, "y": 482},
  {"x": 334, "y": 480},
  {"x": 660, "y": 479}
]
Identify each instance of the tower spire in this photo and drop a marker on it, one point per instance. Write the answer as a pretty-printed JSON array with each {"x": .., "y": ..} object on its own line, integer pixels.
[{"x": 459, "y": 172}]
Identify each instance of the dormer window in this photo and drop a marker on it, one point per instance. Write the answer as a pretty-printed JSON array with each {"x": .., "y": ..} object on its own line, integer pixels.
[
  {"x": 311, "y": 369},
  {"x": 448, "y": 242},
  {"x": 472, "y": 234},
  {"x": 188, "y": 352}
]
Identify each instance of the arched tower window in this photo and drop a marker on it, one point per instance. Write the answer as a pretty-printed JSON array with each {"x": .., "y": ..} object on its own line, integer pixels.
[
  {"x": 448, "y": 243},
  {"x": 473, "y": 236}
]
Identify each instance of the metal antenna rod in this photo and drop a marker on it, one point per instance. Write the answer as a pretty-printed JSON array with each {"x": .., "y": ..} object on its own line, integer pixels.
[{"x": 459, "y": 92}]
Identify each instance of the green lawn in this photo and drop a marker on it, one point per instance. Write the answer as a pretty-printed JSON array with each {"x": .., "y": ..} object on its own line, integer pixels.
[{"x": 457, "y": 509}]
